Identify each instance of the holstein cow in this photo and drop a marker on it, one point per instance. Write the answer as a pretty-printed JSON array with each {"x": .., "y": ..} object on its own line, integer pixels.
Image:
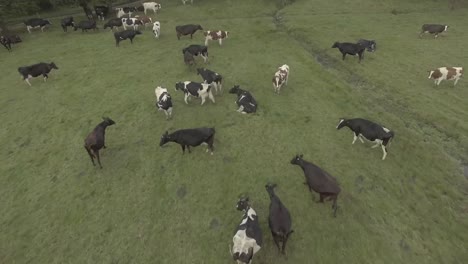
[
  {"x": 156, "y": 29},
  {"x": 36, "y": 23},
  {"x": 248, "y": 237},
  {"x": 369, "y": 130},
  {"x": 433, "y": 29},
  {"x": 281, "y": 77},
  {"x": 351, "y": 49},
  {"x": 164, "y": 101},
  {"x": 370, "y": 45},
  {"x": 126, "y": 34},
  {"x": 446, "y": 73},
  {"x": 101, "y": 12},
  {"x": 131, "y": 22},
  {"x": 189, "y": 29},
  {"x": 42, "y": 68},
  {"x": 215, "y": 35},
  {"x": 198, "y": 90},
  {"x": 245, "y": 100},
  {"x": 122, "y": 11},
  {"x": 319, "y": 181},
  {"x": 67, "y": 22},
  {"x": 114, "y": 22},
  {"x": 85, "y": 25},
  {"x": 196, "y": 50},
  {"x": 95, "y": 140},
  {"x": 7, "y": 40},
  {"x": 184, "y": 1},
  {"x": 213, "y": 78},
  {"x": 191, "y": 138},
  {"x": 279, "y": 219},
  {"x": 151, "y": 6}
]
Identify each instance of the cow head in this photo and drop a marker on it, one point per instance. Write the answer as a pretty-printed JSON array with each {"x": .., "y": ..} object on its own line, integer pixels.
[
  {"x": 53, "y": 66},
  {"x": 47, "y": 22},
  {"x": 180, "y": 86},
  {"x": 199, "y": 27},
  {"x": 446, "y": 27},
  {"x": 235, "y": 90},
  {"x": 297, "y": 159},
  {"x": 200, "y": 70},
  {"x": 164, "y": 139},
  {"x": 243, "y": 204},
  {"x": 335, "y": 45},
  {"x": 343, "y": 122},
  {"x": 242, "y": 257},
  {"x": 157, "y": 6},
  {"x": 108, "y": 121},
  {"x": 157, "y": 24}
]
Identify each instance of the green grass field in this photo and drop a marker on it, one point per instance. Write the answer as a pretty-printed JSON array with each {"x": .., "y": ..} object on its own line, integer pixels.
[{"x": 153, "y": 205}]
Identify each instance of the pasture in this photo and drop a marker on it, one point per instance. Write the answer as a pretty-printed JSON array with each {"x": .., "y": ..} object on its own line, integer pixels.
[{"x": 154, "y": 205}]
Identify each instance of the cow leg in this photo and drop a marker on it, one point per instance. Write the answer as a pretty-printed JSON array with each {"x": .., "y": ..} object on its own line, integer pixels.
[
  {"x": 183, "y": 149},
  {"x": 178, "y": 35},
  {"x": 376, "y": 145},
  {"x": 90, "y": 155},
  {"x": 45, "y": 76},
  {"x": 436, "y": 35},
  {"x": 360, "y": 138},
  {"x": 188, "y": 147},
  {"x": 206, "y": 41},
  {"x": 203, "y": 99},
  {"x": 27, "y": 80},
  {"x": 321, "y": 198},
  {"x": 210, "y": 95},
  {"x": 42, "y": 29},
  {"x": 276, "y": 239},
  {"x": 334, "y": 205},
  {"x": 360, "y": 56},
  {"x": 191, "y": 36},
  {"x": 220, "y": 42},
  {"x": 456, "y": 80},
  {"x": 29, "y": 29},
  {"x": 185, "y": 98},
  {"x": 210, "y": 142},
  {"x": 354, "y": 139},
  {"x": 98, "y": 158},
  {"x": 344, "y": 55},
  {"x": 384, "y": 149},
  {"x": 241, "y": 108},
  {"x": 439, "y": 80},
  {"x": 131, "y": 40},
  {"x": 205, "y": 58}
]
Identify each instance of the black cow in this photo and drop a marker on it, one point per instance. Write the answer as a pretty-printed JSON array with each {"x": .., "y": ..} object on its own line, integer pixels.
[
  {"x": 211, "y": 77},
  {"x": 433, "y": 29},
  {"x": 199, "y": 90},
  {"x": 245, "y": 100},
  {"x": 188, "y": 58},
  {"x": 196, "y": 50},
  {"x": 85, "y": 25},
  {"x": 7, "y": 40},
  {"x": 370, "y": 45},
  {"x": 42, "y": 68},
  {"x": 279, "y": 219},
  {"x": 350, "y": 48},
  {"x": 126, "y": 34},
  {"x": 319, "y": 181},
  {"x": 369, "y": 130},
  {"x": 101, "y": 11},
  {"x": 114, "y": 22},
  {"x": 88, "y": 12},
  {"x": 190, "y": 138},
  {"x": 189, "y": 29},
  {"x": 36, "y": 23},
  {"x": 67, "y": 22},
  {"x": 96, "y": 140}
]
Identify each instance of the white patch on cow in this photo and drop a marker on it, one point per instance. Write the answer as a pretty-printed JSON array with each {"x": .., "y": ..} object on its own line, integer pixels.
[
  {"x": 445, "y": 29},
  {"x": 386, "y": 129}
]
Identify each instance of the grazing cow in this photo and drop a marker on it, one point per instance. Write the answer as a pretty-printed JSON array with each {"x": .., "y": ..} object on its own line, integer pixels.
[
  {"x": 184, "y": 1},
  {"x": 369, "y": 130},
  {"x": 188, "y": 58},
  {"x": 215, "y": 35},
  {"x": 245, "y": 100},
  {"x": 85, "y": 25},
  {"x": 370, "y": 45},
  {"x": 101, "y": 12},
  {"x": 156, "y": 29},
  {"x": 281, "y": 77},
  {"x": 95, "y": 140},
  {"x": 42, "y": 68},
  {"x": 213, "y": 78},
  {"x": 196, "y": 50},
  {"x": 7, "y": 40},
  {"x": 433, "y": 29},
  {"x": 351, "y": 49},
  {"x": 67, "y": 22},
  {"x": 114, "y": 22},
  {"x": 122, "y": 11},
  {"x": 319, "y": 181},
  {"x": 279, "y": 219},
  {"x": 151, "y": 6},
  {"x": 190, "y": 138},
  {"x": 126, "y": 34},
  {"x": 198, "y": 90},
  {"x": 131, "y": 22},
  {"x": 164, "y": 101},
  {"x": 145, "y": 20},
  {"x": 446, "y": 73},
  {"x": 248, "y": 237},
  {"x": 189, "y": 29},
  {"x": 36, "y": 23},
  {"x": 88, "y": 12}
]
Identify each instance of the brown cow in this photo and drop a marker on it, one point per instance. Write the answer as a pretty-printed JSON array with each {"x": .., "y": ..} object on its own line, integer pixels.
[{"x": 215, "y": 35}]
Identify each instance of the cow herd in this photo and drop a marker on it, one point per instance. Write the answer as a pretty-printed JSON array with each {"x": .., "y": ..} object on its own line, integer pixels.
[{"x": 247, "y": 240}]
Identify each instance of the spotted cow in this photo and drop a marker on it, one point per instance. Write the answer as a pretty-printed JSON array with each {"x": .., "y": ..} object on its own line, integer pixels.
[
  {"x": 446, "y": 73},
  {"x": 215, "y": 35}
]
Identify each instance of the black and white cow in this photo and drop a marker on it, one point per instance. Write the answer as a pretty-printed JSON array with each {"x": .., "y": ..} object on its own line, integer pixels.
[
  {"x": 7, "y": 40},
  {"x": 131, "y": 22},
  {"x": 85, "y": 25},
  {"x": 248, "y": 237},
  {"x": 101, "y": 12},
  {"x": 126, "y": 34},
  {"x": 198, "y": 90},
  {"x": 36, "y": 23},
  {"x": 164, "y": 101},
  {"x": 245, "y": 100},
  {"x": 42, "y": 68},
  {"x": 370, "y": 45},
  {"x": 67, "y": 22},
  {"x": 433, "y": 29},
  {"x": 113, "y": 23},
  {"x": 351, "y": 49},
  {"x": 122, "y": 11},
  {"x": 213, "y": 78},
  {"x": 156, "y": 29},
  {"x": 191, "y": 138},
  {"x": 196, "y": 50},
  {"x": 188, "y": 29},
  {"x": 369, "y": 130}
]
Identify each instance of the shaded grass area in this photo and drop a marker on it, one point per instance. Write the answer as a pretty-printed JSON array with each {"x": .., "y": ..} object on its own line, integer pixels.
[{"x": 153, "y": 205}]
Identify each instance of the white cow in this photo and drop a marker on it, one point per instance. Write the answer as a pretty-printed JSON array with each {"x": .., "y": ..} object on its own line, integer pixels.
[
  {"x": 156, "y": 29},
  {"x": 446, "y": 73},
  {"x": 151, "y": 6},
  {"x": 281, "y": 77}
]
